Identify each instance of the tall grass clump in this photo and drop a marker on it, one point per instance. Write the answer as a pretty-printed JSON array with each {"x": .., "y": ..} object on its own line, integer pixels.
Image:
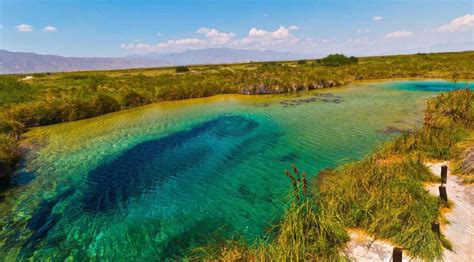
[
  {"x": 449, "y": 119},
  {"x": 452, "y": 109},
  {"x": 306, "y": 231},
  {"x": 10, "y": 133},
  {"x": 8, "y": 154},
  {"x": 463, "y": 159},
  {"x": 385, "y": 197}
]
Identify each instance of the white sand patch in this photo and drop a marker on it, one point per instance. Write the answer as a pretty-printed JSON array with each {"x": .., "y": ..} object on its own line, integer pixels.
[
  {"x": 460, "y": 231},
  {"x": 27, "y": 78},
  {"x": 363, "y": 247}
]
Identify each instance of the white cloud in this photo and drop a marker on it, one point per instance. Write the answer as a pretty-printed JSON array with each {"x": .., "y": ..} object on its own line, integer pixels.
[
  {"x": 377, "y": 18},
  {"x": 216, "y": 37},
  {"x": 171, "y": 45},
  {"x": 363, "y": 30},
  {"x": 262, "y": 37},
  {"x": 211, "y": 37},
  {"x": 398, "y": 34},
  {"x": 280, "y": 33},
  {"x": 24, "y": 28},
  {"x": 50, "y": 29},
  {"x": 460, "y": 24}
]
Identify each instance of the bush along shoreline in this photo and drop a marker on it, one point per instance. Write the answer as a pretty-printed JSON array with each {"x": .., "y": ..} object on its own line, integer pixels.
[
  {"x": 382, "y": 194},
  {"x": 60, "y": 97}
]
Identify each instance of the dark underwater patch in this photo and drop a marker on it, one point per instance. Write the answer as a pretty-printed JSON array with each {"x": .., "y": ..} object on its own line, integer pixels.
[
  {"x": 289, "y": 157},
  {"x": 43, "y": 220},
  {"x": 150, "y": 163}
]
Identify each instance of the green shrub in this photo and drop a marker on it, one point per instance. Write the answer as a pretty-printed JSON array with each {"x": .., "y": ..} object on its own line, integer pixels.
[
  {"x": 182, "y": 69},
  {"x": 132, "y": 99},
  {"x": 338, "y": 60},
  {"x": 104, "y": 104}
]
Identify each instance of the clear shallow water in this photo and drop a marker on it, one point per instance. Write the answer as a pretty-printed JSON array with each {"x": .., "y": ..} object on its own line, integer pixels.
[{"x": 153, "y": 181}]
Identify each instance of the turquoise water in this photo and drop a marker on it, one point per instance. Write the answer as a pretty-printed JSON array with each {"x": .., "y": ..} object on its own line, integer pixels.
[{"x": 156, "y": 181}]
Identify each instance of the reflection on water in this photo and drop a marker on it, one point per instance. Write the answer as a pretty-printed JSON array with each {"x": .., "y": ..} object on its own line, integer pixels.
[{"x": 155, "y": 181}]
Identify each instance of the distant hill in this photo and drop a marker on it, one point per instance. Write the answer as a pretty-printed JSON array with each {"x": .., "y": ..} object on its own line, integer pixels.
[
  {"x": 21, "y": 62},
  {"x": 223, "y": 56}
]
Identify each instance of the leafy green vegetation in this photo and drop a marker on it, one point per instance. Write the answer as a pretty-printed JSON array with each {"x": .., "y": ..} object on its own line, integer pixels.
[
  {"x": 338, "y": 60},
  {"x": 382, "y": 194},
  {"x": 182, "y": 69}
]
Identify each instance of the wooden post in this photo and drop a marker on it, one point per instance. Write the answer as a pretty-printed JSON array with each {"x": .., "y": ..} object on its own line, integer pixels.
[
  {"x": 397, "y": 254},
  {"x": 442, "y": 193},
  {"x": 435, "y": 228},
  {"x": 444, "y": 174}
]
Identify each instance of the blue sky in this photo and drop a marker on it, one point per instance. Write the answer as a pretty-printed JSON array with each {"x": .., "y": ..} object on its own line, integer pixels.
[{"x": 118, "y": 28}]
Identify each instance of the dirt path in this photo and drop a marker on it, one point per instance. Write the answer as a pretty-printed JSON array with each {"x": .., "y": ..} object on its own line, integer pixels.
[
  {"x": 363, "y": 247},
  {"x": 460, "y": 231}
]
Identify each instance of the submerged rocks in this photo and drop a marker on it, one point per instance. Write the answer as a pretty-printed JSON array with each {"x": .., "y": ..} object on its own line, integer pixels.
[
  {"x": 391, "y": 130},
  {"x": 259, "y": 89},
  {"x": 326, "y": 97}
]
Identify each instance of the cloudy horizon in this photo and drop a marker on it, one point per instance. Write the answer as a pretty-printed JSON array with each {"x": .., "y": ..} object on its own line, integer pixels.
[{"x": 91, "y": 28}]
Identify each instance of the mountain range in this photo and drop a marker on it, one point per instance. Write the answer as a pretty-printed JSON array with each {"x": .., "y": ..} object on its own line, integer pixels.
[{"x": 23, "y": 62}]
